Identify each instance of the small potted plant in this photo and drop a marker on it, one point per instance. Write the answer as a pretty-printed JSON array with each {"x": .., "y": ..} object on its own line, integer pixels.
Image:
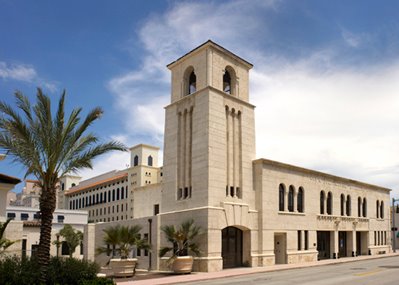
[
  {"x": 183, "y": 244},
  {"x": 120, "y": 241}
]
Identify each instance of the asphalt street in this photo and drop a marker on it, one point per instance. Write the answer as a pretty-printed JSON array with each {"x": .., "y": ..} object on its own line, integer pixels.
[{"x": 374, "y": 272}]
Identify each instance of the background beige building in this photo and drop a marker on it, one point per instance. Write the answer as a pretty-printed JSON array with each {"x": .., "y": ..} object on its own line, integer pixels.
[{"x": 254, "y": 212}]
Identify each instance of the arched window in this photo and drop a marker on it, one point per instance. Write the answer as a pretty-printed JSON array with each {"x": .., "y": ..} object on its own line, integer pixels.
[
  {"x": 149, "y": 160},
  {"x": 281, "y": 194},
  {"x": 73, "y": 185},
  {"x": 342, "y": 204},
  {"x": 136, "y": 161},
  {"x": 378, "y": 209},
  {"x": 359, "y": 207},
  {"x": 291, "y": 199},
  {"x": 300, "y": 200},
  {"x": 227, "y": 82},
  {"x": 329, "y": 203},
  {"x": 364, "y": 207},
  {"x": 117, "y": 194},
  {"x": 113, "y": 195},
  {"x": 348, "y": 205},
  {"x": 122, "y": 193},
  {"x": 192, "y": 83},
  {"x": 382, "y": 210},
  {"x": 322, "y": 198}
]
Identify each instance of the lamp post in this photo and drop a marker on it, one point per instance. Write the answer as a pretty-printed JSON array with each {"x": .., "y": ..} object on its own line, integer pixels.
[{"x": 393, "y": 224}]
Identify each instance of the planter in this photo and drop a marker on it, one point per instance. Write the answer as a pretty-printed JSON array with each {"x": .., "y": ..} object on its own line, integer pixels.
[
  {"x": 183, "y": 264},
  {"x": 123, "y": 267}
]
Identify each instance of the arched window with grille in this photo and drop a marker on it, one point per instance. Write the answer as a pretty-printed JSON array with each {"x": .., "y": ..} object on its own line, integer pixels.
[
  {"x": 377, "y": 209},
  {"x": 322, "y": 199},
  {"x": 149, "y": 160},
  {"x": 342, "y": 204},
  {"x": 300, "y": 200},
  {"x": 291, "y": 198},
  {"x": 348, "y": 206},
  {"x": 192, "y": 83},
  {"x": 364, "y": 207},
  {"x": 329, "y": 203},
  {"x": 281, "y": 194},
  {"x": 227, "y": 82}
]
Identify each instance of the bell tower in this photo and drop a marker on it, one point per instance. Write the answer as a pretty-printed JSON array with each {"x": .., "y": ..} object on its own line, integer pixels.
[{"x": 209, "y": 131}]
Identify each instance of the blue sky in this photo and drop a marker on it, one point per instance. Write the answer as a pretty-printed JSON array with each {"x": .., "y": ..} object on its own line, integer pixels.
[{"x": 324, "y": 78}]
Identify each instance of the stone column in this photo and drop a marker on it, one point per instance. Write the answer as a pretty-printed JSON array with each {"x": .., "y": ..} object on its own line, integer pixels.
[{"x": 336, "y": 244}]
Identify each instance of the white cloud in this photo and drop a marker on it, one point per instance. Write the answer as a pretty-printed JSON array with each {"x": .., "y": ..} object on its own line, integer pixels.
[
  {"x": 341, "y": 122},
  {"x": 310, "y": 112},
  {"x": 354, "y": 40},
  {"x": 19, "y": 72},
  {"x": 25, "y": 73}
]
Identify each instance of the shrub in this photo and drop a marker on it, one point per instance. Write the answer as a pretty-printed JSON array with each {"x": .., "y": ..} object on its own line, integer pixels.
[
  {"x": 71, "y": 271},
  {"x": 14, "y": 270}
]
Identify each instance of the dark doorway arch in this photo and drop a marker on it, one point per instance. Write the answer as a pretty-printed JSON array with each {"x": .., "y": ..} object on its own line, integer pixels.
[{"x": 232, "y": 247}]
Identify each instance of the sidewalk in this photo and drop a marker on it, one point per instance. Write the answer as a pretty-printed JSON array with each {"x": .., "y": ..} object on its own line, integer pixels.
[{"x": 157, "y": 278}]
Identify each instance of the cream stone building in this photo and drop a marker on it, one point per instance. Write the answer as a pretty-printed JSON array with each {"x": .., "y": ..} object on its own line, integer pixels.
[
  {"x": 121, "y": 195},
  {"x": 254, "y": 212},
  {"x": 25, "y": 229}
]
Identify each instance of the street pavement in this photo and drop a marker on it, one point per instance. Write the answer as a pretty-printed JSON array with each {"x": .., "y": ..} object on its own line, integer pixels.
[{"x": 367, "y": 270}]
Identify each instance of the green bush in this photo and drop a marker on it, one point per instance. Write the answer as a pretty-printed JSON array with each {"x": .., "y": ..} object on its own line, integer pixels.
[
  {"x": 14, "y": 270},
  {"x": 70, "y": 271}
]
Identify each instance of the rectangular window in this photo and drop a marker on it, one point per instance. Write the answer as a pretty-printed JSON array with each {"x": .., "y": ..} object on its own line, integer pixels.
[
  {"x": 24, "y": 217},
  {"x": 23, "y": 248},
  {"x": 60, "y": 218},
  {"x": 156, "y": 209},
  {"x": 64, "y": 248},
  {"x": 306, "y": 240},
  {"x": 11, "y": 216},
  {"x": 299, "y": 240}
]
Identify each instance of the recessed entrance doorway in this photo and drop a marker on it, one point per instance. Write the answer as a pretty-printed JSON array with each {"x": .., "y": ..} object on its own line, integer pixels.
[
  {"x": 232, "y": 247},
  {"x": 280, "y": 248}
]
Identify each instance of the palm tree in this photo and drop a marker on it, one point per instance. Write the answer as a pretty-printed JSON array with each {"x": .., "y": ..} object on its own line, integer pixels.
[
  {"x": 182, "y": 239},
  {"x": 72, "y": 237},
  {"x": 49, "y": 147},
  {"x": 121, "y": 240},
  {"x": 4, "y": 243}
]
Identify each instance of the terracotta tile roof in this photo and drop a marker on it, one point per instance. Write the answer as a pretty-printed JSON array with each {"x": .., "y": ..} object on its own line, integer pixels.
[
  {"x": 32, "y": 181},
  {"x": 76, "y": 189},
  {"x": 8, "y": 179},
  {"x": 32, "y": 223}
]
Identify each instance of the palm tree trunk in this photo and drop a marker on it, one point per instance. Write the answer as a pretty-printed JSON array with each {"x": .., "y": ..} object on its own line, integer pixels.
[{"x": 47, "y": 207}]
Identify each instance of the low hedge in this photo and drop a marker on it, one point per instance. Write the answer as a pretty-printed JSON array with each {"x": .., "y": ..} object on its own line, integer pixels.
[{"x": 68, "y": 271}]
